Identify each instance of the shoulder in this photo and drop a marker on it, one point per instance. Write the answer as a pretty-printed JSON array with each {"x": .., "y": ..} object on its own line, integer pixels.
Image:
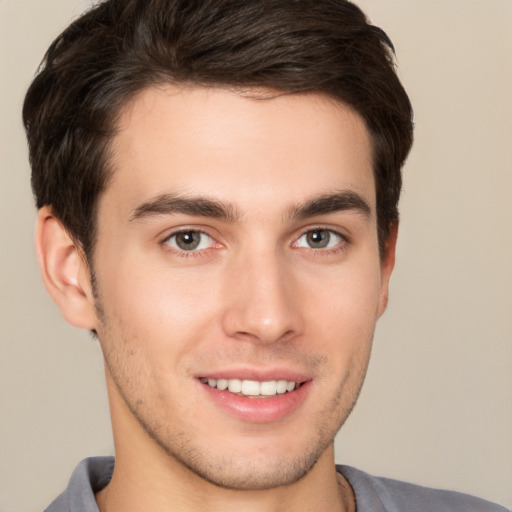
[
  {"x": 376, "y": 494},
  {"x": 89, "y": 477}
]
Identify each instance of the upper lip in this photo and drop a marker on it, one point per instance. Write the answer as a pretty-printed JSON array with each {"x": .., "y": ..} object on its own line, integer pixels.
[{"x": 260, "y": 375}]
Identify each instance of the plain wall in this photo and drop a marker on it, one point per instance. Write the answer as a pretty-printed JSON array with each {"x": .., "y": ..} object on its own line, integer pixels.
[{"x": 437, "y": 405}]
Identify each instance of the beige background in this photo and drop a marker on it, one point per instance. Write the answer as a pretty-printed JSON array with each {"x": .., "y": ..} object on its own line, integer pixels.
[{"x": 437, "y": 405}]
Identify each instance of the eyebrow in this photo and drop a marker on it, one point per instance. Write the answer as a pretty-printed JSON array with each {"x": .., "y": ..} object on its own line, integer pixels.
[
  {"x": 331, "y": 203},
  {"x": 167, "y": 204}
]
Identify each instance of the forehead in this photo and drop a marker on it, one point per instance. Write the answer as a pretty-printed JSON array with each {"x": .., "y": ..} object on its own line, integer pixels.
[{"x": 239, "y": 146}]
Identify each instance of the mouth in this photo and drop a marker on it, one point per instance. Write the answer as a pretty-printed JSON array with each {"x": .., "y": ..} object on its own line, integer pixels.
[
  {"x": 267, "y": 399},
  {"x": 253, "y": 388}
]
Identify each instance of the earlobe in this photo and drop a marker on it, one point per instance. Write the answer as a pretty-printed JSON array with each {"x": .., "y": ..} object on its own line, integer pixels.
[
  {"x": 387, "y": 265},
  {"x": 63, "y": 269}
]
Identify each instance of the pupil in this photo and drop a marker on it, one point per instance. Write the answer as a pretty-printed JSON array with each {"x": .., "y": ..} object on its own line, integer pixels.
[
  {"x": 318, "y": 239},
  {"x": 188, "y": 240}
]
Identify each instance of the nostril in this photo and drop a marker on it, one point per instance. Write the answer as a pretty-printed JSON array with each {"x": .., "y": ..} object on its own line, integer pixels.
[{"x": 261, "y": 308}]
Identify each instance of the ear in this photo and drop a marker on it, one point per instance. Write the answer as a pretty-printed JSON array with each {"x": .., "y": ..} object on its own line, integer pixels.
[
  {"x": 387, "y": 264},
  {"x": 64, "y": 271}
]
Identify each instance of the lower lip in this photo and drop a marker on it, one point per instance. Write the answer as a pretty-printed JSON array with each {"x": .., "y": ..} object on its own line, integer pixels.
[{"x": 259, "y": 410}]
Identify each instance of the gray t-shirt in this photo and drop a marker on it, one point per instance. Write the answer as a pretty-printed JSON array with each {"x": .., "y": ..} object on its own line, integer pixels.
[{"x": 373, "y": 494}]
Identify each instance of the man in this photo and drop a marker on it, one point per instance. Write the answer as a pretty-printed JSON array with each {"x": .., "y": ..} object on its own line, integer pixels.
[{"x": 217, "y": 185}]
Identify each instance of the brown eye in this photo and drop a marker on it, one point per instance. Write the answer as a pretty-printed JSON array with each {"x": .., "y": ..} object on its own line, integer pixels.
[{"x": 189, "y": 240}]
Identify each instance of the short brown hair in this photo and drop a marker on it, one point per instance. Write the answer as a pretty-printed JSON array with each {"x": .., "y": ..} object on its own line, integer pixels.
[{"x": 120, "y": 47}]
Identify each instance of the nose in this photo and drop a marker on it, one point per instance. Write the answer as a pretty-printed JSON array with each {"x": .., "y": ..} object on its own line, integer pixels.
[{"x": 263, "y": 302}]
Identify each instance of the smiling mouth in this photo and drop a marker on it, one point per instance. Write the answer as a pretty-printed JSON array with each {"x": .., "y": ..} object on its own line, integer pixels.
[{"x": 252, "y": 388}]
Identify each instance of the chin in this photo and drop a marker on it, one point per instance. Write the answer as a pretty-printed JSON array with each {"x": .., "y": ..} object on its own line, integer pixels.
[{"x": 234, "y": 473}]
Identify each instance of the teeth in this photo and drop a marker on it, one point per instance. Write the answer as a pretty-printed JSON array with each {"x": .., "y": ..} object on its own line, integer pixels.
[
  {"x": 252, "y": 387},
  {"x": 281, "y": 386},
  {"x": 269, "y": 388},
  {"x": 222, "y": 384},
  {"x": 235, "y": 385}
]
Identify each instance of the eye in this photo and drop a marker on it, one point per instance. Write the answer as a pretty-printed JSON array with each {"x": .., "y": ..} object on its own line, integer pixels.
[
  {"x": 319, "y": 239},
  {"x": 189, "y": 240}
]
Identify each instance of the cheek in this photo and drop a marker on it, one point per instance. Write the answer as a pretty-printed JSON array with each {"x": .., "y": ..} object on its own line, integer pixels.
[
  {"x": 341, "y": 324},
  {"x": 345, "y": 303},
  {"x": 156, "y": 306}
]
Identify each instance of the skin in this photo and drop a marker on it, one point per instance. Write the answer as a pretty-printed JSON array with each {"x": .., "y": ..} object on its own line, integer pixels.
[{"x": 255, "y": 296}]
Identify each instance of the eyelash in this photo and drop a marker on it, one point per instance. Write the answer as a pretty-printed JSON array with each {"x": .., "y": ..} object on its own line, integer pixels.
[
  {"x": 340, "y": 246},
  {"x": 183, "y": 253}
]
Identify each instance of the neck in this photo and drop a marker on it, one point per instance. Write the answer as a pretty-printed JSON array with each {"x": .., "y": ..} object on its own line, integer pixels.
[{"x": 166, "y": 485}]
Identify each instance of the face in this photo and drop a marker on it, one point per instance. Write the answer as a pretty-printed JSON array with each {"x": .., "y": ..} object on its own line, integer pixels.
[{"x": 238, "y": 279}]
